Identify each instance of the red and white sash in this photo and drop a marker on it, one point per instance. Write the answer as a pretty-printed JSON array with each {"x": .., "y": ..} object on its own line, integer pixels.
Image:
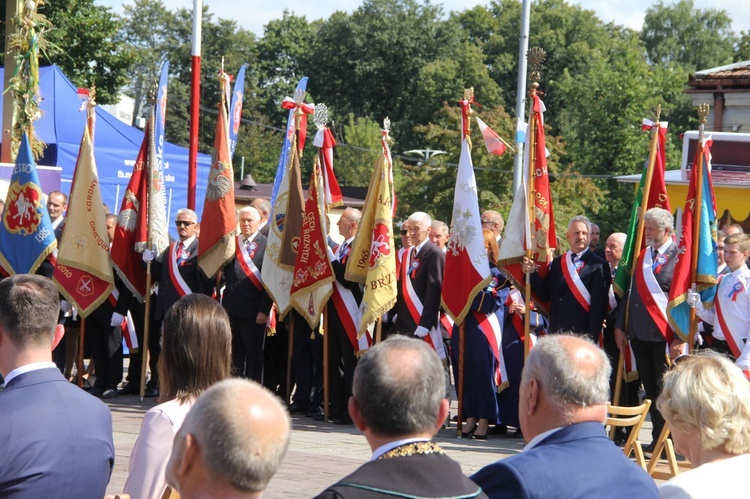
[
  {"x": 729, "y": 335},
  {"x": 574, "y": 282},
  {"x": 127, "y": 326},
  {"x": 517, "y": 319},
  {"x": 416, "y": 307},
  {"x": 174, "y": 273},
  {"x": 350, "y": 317},
  {"x": 247, "y": 264},
  {"x": 446, "y": 322},
  {"x": 650, "y": 292},
  {"x": 493, "y": 331}
]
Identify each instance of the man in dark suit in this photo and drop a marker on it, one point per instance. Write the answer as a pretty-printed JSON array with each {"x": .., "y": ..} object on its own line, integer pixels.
[
  {"x": 563, "y": 404},
  {"x": 644, "y": 315},
  {"x": 176, "y": 269},
  {"x": 399, "y": 404},
  {"x": 576, "y": 286},
  {"x": 245, "y": 298},
  {"x": 56, "y": 438},
  {"x": 343, "y": 320},
  {"x": 420, "y": 285}
]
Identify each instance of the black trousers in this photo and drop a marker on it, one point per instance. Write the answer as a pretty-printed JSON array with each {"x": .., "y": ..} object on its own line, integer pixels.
[
  {"x": 138, "y": 312},
  {"x": 105, "y": 345},
  {"x": 651, "y": 360},
  {"x": 341, "y": 365},
  {"x": 247, "y": 348},
  {"x": 307, "y": 364}
]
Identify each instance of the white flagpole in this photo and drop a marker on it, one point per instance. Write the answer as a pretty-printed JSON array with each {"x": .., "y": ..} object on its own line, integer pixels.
[{"x": 521, "y": 91}]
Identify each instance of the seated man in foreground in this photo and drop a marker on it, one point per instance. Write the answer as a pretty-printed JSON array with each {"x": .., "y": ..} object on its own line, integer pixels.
[
  {"x": 399, "y": 403},
  {"x": 231, "y": 443},
  {"x": 56, "y": 438},
  {"x": 563, "y": 404}
]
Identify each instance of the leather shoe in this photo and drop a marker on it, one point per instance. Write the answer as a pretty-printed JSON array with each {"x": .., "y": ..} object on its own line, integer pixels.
[
  {"x": 474, "y": 436},
  {"x": 151, "y": 392},
  {"x": 499, "y": 429},
  {"x": 344, "y": 419},
  {"x": 96, "y": 391},
  {"x": 518, "y": 433},
  {"x": 318, "y": 415},
  {"x": 109, "y": 394},
  {"x": 295, "y": 408}
]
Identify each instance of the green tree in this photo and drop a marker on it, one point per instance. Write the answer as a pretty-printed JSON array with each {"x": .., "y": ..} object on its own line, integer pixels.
[
  {"x": 84, "y": 46},
  {"x": 697, "y": 38},
  {"x": 743, "y": 47},
  {"x": 357, "y": 149}
]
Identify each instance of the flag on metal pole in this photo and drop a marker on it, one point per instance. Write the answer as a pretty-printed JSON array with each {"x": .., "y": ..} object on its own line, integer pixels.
[
  {"x": 313, "y": 277},
  {"x": 83, "y": 271},
  {"x": 235, "y": 110},
  {"x": 26, "y": 234},
  {"x": 286, "y": 147},
  {"x": 467, "y": 269},
  {"x": 216, "y": 246},
  {"x": 372, "y": 261},
  {"x": 493, "y": 142}
]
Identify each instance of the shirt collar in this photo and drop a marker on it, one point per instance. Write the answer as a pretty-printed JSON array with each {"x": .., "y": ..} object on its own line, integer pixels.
[
  {"x": 664, "y": 247},
  {"x": 250, "y": 238},
  {"x": 392, "y": 445},
  {"x": 421, "y": 245},
  {"x": 537, "y": 439},
  {"x": 187, "y": 242},
  {"x": 28, "y": 368}
]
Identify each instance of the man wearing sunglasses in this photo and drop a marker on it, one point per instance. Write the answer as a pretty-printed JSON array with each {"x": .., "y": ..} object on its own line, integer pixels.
[{"x": 176, "y": 269}]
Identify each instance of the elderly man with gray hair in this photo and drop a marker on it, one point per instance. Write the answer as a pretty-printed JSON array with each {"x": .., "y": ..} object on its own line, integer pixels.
[
  {"x": 399, "y": 403},
  {"x": 642, "y": 320},
  {"x": 231, "y": 443},
  {"x": 563, "y": 405}
]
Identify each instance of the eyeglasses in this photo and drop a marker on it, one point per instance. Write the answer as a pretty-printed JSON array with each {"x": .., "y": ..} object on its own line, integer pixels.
[
  {"x": 487, "y": 222},
  {"x": 183, "y": 223},
  {"x": 404, "y": 232}
]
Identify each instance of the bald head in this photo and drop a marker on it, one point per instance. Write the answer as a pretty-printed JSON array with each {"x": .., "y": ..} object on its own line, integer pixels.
[
  {"x": 565, "y": 381},
  {"x": 263, "y": 206},
  {"x": 233, "y": 439},
  {"x": 613, "y": 248}
]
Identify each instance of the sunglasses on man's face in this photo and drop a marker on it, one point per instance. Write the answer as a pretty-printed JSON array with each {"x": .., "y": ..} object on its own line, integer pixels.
[
  {"x": 183, "y": 223},
  {"x": 404, "y": 232}
]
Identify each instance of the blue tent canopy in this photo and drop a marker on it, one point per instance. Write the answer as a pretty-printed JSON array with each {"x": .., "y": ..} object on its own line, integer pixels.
[{"x": 116, "y": 146}]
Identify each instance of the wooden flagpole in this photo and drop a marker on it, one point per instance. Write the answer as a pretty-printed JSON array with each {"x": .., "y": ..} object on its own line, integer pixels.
[{"x": 638, "y": 240}]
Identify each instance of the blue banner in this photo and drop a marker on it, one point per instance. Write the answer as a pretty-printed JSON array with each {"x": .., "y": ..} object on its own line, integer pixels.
[
  {"x": 26, "y": 234},
  {"x": 284, "y": 157},
  {"x": 235, "y": 110}
]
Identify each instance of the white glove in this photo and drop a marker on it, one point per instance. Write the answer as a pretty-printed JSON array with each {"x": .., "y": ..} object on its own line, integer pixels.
[
  {"x": 395, "y": 318},
  {"x": 331, "y": 256},
  {"x": 421, "y": 332},
  {"x": 65, "y": 307},
  {"x": 148, "y": 256},
  {"x": 116, "y": 319},
  {"x": 384, "y": 318},
  {"x": 693, "y": 298}
]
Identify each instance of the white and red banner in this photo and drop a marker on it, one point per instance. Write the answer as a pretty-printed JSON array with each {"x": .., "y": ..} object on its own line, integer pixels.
[
  {"x": 325, "y": 141},
  {"x": 467, "y": 270}
]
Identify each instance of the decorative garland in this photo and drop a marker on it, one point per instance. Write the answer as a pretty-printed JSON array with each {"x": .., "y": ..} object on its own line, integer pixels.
[{"x": 26, "y": 42}]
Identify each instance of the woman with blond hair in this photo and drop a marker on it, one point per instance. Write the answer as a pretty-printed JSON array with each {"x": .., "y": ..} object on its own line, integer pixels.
[
  {"x": 705, "y": 400},
  {"x": 196, "y": 353}
]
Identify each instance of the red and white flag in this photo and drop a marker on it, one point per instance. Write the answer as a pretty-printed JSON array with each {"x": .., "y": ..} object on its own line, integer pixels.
[
  {"x": 216, "y": 245},
  {"x": 495, "y": 145},
  {"x": 325, "y": 141},
  {"x": 522, "y": 233},
  {"x": 125, "y": 258},
  {"x": 467, "y": 269}
]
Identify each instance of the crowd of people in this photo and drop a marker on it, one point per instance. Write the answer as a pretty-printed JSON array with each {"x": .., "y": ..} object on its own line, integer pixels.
[{"x": 396, "y": 392}]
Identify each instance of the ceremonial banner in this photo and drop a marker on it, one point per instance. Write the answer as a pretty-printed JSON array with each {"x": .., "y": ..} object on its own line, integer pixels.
[
  {"x": 313, "y": 274},
  {"x": 495, "y": 145},
  {"x": 372, "y": 261},
  {"x": 657, "y": 198},
  {"x": 83, "y": 272},
  {"x": 325, "y": 141},
  {"x": 26, "y": 234},
  {"x": 216, "y": 245},
  {"x": 467, "y": 269},
  {"x": 286, "y": 146},
  {"x": 125, "y": 259},
  {"x": 688, "y": 243},
  {"x": 235, "y": 110},
  {"x": 157, "y": 232},
  {"x": 283, "y": 236},
  {"x": 522, "y": 233}
]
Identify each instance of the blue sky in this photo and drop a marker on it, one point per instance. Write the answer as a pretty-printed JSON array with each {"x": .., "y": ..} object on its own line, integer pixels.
[{"x": 254, "y": 14}]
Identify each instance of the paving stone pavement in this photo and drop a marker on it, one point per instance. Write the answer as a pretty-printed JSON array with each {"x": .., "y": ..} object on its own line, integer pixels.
[{"x": 319, "y": 453}]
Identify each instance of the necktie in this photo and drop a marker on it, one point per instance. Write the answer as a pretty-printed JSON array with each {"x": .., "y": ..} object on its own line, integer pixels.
[
  {"x": 573, "y": 257},
  {"x": 413, "y": 254},
  {"x": 178, "y": 255},
  {"x": 247, "y": 244},
  {"x": 342, "y": 249},
  {"x": 654, "y": 254}
]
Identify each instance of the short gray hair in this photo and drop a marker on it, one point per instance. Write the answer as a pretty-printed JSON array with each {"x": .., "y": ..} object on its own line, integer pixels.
[
  {"x": 354, "y": 214},
  {"x": 662, "y": 217},
  {"x": 254, "y": 214},
  {"x": 580, "y": 219},
  {"x": 232, "y": 447},
  {"x": 187, "y": 211},
  {"x": 421, "y": 218},
  {"x": 398, "y": 396},
  {"x": 441, "y": 226},
  {"x": 553, "y": 364},
  {"x": 262, "y": 205}
]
